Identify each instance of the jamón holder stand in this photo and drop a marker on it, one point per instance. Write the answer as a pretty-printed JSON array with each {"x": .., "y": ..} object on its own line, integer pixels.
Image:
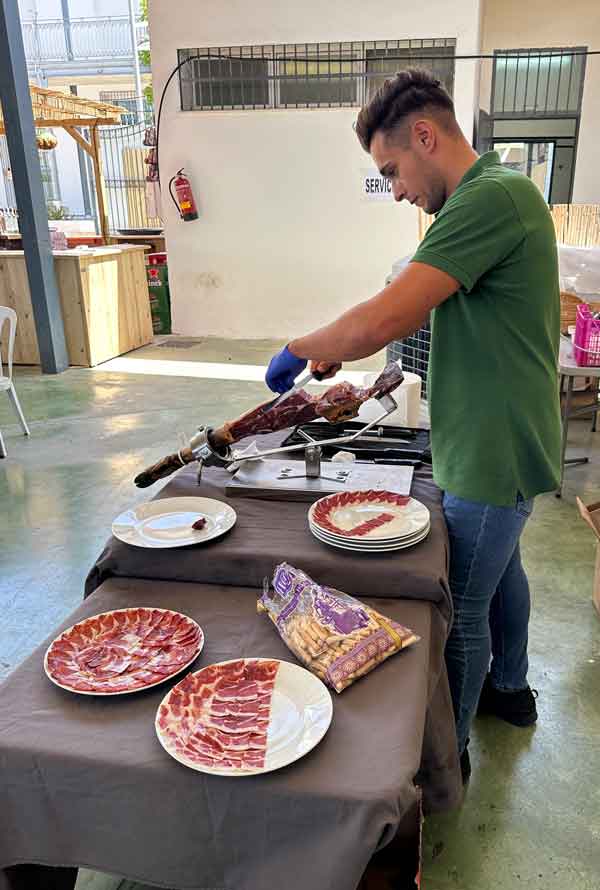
[{"x": 208, "y": 456}]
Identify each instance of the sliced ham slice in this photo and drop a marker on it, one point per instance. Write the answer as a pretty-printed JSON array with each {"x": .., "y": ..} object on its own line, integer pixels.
[{"x": 219, "y": 716}]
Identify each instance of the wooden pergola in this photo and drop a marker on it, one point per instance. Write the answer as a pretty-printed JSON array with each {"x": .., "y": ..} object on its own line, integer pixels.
[{"x": 54, "y": 109}]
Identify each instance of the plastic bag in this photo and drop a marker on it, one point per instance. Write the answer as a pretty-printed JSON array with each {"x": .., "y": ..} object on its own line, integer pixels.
[
  {"x": 579, "y": 270},
  {"x": 336, "y": 636}
]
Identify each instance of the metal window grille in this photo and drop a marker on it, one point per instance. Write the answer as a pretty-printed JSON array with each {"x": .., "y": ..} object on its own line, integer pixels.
[
  {"x": 384, "y": 63},
  {"x": 303, "y": 75},
  {"x": 538, "y": 82}
]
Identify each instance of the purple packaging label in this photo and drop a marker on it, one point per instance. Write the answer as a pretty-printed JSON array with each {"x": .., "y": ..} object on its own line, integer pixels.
[
  {"x": 285, "y": 583},
  {"x": 283, "y": 580},
  {"x": 343, "y": 617}
]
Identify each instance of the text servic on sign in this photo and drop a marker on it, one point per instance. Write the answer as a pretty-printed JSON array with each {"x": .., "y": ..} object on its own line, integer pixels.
[{"x": 375, "y": 187}]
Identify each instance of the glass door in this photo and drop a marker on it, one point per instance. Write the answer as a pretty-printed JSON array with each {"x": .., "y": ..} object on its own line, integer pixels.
[{"x": 534, "y": 159}]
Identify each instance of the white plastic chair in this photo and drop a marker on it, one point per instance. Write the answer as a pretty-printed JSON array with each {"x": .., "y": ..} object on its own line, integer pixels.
[{"x": 6, "y": 383}]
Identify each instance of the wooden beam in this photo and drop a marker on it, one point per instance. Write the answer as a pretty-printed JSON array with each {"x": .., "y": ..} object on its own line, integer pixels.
[
  {"x": 79, "y": 139},
  {"x": 41, "y": 123},
  {"x": 99, "y": 182}
]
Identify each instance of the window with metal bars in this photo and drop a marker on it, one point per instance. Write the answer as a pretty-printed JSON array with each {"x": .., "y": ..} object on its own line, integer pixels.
[
  {"x": 384, "y": 63},
  {"x": 303, "y": 75},
  {"x": 538, "y": 82}
]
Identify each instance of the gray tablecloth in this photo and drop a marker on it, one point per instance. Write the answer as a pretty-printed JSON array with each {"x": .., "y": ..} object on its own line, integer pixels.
[
  {"x": 269, "y": 532},
  {"x": 85, "y": 782}
]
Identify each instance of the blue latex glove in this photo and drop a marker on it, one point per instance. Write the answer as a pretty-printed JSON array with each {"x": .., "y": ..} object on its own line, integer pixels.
[{"x": 283, "y": 370}]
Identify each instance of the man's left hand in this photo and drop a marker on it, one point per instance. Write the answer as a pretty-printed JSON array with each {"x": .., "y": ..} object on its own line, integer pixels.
[{"x": 283, "y": 370}]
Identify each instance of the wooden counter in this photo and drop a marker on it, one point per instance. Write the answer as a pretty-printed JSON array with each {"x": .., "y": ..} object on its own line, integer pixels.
[
  {"x": 153, "y": 243},
  {"x": 104, "y": 298}
]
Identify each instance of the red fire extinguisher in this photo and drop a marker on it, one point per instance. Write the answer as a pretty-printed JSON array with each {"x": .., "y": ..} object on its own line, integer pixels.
[{"x": 184, "y": 201}]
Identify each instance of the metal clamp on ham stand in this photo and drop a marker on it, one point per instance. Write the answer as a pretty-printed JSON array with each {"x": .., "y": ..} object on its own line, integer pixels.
[{"x": 205, "y": 453}]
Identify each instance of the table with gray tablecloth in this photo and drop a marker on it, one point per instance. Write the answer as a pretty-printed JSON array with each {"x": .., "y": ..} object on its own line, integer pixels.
[
  {"x": 268, "y": 532},
  {"x": 84, "y": 780}
]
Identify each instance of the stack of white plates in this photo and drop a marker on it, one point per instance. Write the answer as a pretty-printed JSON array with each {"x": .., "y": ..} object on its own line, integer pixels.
[{"x": 369, "y": 521}]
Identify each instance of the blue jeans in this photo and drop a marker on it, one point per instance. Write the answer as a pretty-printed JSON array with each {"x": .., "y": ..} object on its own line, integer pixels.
[{"x": 491, "y": 602}]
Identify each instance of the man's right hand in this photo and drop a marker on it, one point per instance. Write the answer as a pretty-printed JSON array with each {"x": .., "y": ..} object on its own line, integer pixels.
[
  {"x": 325, "y": 370},
  {"x": 283, "y": 370}
]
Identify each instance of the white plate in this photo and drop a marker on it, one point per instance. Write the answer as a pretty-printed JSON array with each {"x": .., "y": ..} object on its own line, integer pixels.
[
  {"x": 167, "y": 522},
  {"x": 369, "y": 545},
  {"x": 382, "y": 548},
  {"x": 410, "y": 518},
  {"x": 87, "y": 625},
  {"x": 301, "y": 713}
]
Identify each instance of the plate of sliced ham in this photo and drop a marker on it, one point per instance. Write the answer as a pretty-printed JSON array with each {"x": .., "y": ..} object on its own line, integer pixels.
[
  {"x": 244, "y": 717},
  {"x": 123, "y": 651},
  {"x": 375, "y": 516}
]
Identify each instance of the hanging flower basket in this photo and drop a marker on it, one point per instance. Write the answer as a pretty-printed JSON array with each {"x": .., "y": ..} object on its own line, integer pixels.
[{"x": 46, "y": 140}]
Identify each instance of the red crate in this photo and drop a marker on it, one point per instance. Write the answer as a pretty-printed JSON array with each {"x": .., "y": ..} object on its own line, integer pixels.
[{"x": 156, "y": 259}]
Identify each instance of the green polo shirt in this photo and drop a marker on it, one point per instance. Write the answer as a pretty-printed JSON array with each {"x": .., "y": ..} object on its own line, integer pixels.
[{"x": 493, "y": 380}]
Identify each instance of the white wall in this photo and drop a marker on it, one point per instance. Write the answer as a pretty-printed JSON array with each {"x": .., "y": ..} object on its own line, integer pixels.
[
  {"x": 28, "y": 9},
  {"x": 285, "y": 241},
  {"x": 69, "y": 178},
  {"x": 512, "y": 24}
]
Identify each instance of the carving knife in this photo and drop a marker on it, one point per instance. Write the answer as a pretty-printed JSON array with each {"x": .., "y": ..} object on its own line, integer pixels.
[{"x": 299, "y": 385}]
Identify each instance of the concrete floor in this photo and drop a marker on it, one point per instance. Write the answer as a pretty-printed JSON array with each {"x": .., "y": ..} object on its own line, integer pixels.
[{"x": 531, "y": 816}]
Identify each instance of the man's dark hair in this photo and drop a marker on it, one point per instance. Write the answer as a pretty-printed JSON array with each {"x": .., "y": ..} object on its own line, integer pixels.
[{"x": 413, "y": 90}]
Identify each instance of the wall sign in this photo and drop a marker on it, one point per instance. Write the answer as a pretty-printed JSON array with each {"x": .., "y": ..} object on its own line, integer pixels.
[{"x": 374, "y": 186}]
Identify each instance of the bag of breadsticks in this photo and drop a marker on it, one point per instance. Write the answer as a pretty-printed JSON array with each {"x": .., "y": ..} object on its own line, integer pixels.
[{"x": 336, "y": 636}]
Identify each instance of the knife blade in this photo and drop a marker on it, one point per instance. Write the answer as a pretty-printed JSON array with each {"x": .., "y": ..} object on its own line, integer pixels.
[{"x": 299, "y": 385}]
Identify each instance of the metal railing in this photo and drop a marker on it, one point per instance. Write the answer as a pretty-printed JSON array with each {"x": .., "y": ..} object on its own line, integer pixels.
[
  {"x": 123, "y": 154},
  {"x": 56, "y": 40}
]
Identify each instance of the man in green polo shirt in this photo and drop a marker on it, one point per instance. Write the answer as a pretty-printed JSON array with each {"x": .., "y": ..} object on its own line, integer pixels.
[{"x": 487, "y": 272}]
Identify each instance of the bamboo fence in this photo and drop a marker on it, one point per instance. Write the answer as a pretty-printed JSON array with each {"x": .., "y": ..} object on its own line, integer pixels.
[{"x": 576, "y": 224}]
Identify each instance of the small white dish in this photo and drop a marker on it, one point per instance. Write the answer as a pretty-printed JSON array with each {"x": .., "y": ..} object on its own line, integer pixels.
[{"x": 167, "y": 522}]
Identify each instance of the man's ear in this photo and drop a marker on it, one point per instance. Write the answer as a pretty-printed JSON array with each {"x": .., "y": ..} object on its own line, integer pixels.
[{"x": 424, "y": 135}]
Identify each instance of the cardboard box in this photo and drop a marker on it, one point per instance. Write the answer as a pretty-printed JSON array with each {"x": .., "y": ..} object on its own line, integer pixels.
[{"x": 591, "y": 515}]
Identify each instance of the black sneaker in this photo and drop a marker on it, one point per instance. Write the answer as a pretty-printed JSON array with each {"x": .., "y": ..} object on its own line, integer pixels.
[
  {"x": 465, "y": 766},
  {"x": 517, "y": 708}
]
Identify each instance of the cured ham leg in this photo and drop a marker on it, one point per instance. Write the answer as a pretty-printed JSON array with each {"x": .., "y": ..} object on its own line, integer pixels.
[{"x": 339, "y": 403}]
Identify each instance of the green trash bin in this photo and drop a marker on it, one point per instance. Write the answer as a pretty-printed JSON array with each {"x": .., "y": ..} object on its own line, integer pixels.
[{"x": 157, "y": 272}]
